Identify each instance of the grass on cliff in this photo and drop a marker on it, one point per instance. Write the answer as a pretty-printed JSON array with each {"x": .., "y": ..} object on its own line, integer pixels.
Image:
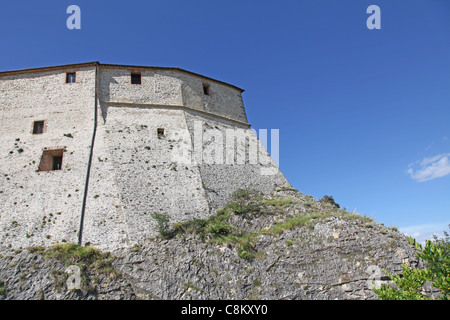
[
  {"x": 246, "y": 203},
  {"x": 279, "y": 202},
  {"x": 88, "y": 258},
  {"x": 218, "y": 228},
  {"x": 295, "y": 222},
  {"x": 73, "y": 254}
]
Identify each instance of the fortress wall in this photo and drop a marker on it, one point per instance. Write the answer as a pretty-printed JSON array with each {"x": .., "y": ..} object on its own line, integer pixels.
[
  {"x": 134, "y": 172},
  {"x": 222, "y": 176},
  {"x": 171, "y": 88},
  {"x": 222, "y": 100},
  {"x": 157, "y": 87},
  {"x": 148, "y": 177},
  {"x": 39, "y": 208}
]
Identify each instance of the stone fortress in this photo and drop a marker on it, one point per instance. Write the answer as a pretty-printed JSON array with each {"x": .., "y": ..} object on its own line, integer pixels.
[{"x": 95, "y": 149}]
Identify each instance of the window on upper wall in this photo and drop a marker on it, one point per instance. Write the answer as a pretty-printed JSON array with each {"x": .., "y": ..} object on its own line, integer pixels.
[
  {"x": 206, "y": 89},
  {"x": 38, "y": 127},
  {"x": 71, "y": 77},
  {"x": 51, "y": 160},
  {"x": 135, "y": 78}
]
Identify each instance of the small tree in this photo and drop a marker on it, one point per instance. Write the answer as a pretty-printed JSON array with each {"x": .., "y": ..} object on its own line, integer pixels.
[{"x": 162, "y": 224}]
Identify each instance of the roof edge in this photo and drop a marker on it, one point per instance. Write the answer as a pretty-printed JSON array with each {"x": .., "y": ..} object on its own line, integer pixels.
[
  {"x": 168, "y": 69},
  {"x": 97, "y": 63},
  {"x": 49, "y": 68}
]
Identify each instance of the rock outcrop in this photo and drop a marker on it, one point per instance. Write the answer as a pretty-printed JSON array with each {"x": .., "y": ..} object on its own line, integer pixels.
[{"x": 283, "y": 246}]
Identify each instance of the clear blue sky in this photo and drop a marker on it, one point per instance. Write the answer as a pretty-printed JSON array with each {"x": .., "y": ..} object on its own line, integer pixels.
[{"x": 364, "y": 115}]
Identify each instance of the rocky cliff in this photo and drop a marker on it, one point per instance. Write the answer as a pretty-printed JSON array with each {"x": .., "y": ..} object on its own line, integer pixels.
[{"x": 283, "y": 246}]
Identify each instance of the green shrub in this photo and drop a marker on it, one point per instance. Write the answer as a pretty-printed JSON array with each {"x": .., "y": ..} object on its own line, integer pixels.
[
  {"x": 241, "y": 194},
  {"x": 36, "y": 249},
  {"x": 279, "y": 202},
  {"x": 71, "y": 253},
  {"x": 218, "y": 229},
  {"x": 329, "y": 200},
  {"x": 246, "y": 247},
  {"x": 195, "y": 226},
  {"x": 162, "y": 224},
  {"x": 409, "y": 285},
  {"x": 249, "y": 256},
  {"x": 240, "y": 208}
]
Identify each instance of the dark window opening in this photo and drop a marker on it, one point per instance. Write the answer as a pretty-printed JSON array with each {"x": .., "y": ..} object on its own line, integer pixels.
[
  {"x": 206, "y": 89},
  {"x": 51, "y": 160},
  {"x": 160, "y": 132},
  {"x": 71, "y": 77},
  {"x": 135, "y": 78},
  {"x": 38, "y": 127},
  {"x": 57, "y": 162}
]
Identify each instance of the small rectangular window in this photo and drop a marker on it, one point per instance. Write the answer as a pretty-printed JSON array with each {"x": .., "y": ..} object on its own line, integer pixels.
[
  {"x": 135, "y": 78},
  {"x": 160, "y": 132},
  {"x": 38, "y": 127},
  {"x": 206, "y": 89},
  {"x": 51, "y": 160},
  {"x": 71, "y": 77}
]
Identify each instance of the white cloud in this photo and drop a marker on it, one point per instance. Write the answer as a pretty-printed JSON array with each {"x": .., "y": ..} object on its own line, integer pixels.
[
  {"x": 425, "y": 231},
  {"x": 431, "y": 168},
  {"x": 426, "y": 161}
]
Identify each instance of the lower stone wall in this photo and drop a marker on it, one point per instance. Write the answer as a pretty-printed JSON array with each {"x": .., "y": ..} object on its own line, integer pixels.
[
  {"x": 143, "y": 177},
  {"x": 136, "y": 171}
]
